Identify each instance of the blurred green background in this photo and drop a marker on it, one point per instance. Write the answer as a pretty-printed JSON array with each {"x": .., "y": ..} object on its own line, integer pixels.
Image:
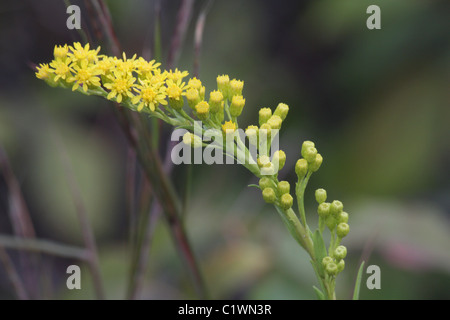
[{"x": 375, "y": 102}]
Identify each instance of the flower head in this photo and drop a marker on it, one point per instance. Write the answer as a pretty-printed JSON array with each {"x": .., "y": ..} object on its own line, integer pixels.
[
  {"x": 62, "y": 68},
  {"x": 175, "y": 91},
  {"x": 120, "y": 85},
  {"x": 78, "y": 52},
  {"x": 177, "y": 75},
  {"x": 202, "y": 109},
  {"x": 228, "y": 127},
  {"x": 60, "y": 52},
  {"x": 44, "y": 72},
  {"x": 149, "y": 95},
  {"x": 144, "y": 67},
  {"x": 85, "y": 75}
]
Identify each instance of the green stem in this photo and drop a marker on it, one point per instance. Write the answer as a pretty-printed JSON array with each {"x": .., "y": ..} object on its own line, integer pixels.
[
  {"x": 297, "y": 230},
  {"x": 300, "y": 192}
]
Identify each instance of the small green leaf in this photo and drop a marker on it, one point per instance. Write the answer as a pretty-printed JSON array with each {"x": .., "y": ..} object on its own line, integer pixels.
[
  {"x": 319, "y": 250},
  {"x": 358, "y": 282},
  {"x": 254, "y": 185},
  {"x": 319, "y": 293}
]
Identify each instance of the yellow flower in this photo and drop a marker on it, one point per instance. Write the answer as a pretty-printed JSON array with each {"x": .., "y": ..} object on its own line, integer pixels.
[
  {"x": 202, "y": 109},
  {"x": 120, "y": 85},
  {"x": 237, "y": 104},
  {"x": 192, "y": 97},
  {"x": 236, "y": 87},
  {"x": 44, "y": 71},
  {"x": 149, "y": 95},
  {"x": 125, "y": 65},
  {"x": 216, "y": 101},
  {"x": 144, "y": 67},
  {"x": 62, "y": 68},
  {"x": 223, "y": 84},
  {"x": 105, "y": 64},
  {"x": 175, "y": 91},
  {"x": 78, "y": 52},
  {"x": 157, "y": 78},
  {"x": 60, "y": 52},
  {"x": 195, "y": 83},
  {"x": 86, "y": 75},
  {"x": 176, "y": 76},
  {"x": 228, "y": 127}
]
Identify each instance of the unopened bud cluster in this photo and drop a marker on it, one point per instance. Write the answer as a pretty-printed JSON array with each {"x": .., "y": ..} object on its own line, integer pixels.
[
  {"x": 277, "y": 193},
  {"x": 335, "y": 263},
  {"x": 311, "y": 160}
]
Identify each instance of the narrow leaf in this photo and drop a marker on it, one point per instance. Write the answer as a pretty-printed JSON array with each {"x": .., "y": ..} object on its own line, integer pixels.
[
  {"x": 319, "y": 250},
  {"x": 358, "y": 282},
  {"x": 319, "y": 293}
]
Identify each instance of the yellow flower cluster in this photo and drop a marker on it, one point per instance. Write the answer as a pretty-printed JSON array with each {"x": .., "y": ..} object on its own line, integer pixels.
[
  {"x": 141, "y": 84},
  {"x": 144, "y": 87},
  {"x": 140, "y": 81}
]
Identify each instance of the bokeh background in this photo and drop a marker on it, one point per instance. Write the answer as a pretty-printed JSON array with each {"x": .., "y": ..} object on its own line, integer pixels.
[{"x": 376, "y": 103}]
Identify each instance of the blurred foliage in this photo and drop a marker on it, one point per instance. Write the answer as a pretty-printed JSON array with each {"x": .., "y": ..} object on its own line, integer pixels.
[{"x": 375, "y": 102}]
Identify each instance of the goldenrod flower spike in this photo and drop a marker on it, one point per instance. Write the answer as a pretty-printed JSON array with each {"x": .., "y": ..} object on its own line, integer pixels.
[{"x": 142, "y": 86}]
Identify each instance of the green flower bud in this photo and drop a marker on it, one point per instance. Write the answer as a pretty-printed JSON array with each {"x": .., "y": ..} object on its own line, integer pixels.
[
  {"x": 268, "y": 169},
  {"x": 343, "y": 217},
  {"x": 340, "y": 253},
  {"x": 321, "y": 195},
  {"x": 305, "y": 145},
  {"x": 331, "y": 268},
  {"x": 264, "y": 115},
  {"x": 237, "y": 105},
  {"x": 310, "y": 154},
  {"x": 265, "y": 182},
  {"x": 275, "y": 122},
  {"x": 263, "y": 161},
  {"x": 342, "y": 229},
  {"x": 330, "y": 222},
  {"x": 201, "y": 92},
  {"x": 269, "y": 195},
  {"x": 280, "y": 157},
  {"x": 176, "y": 104},
  {"x": 286, "y": 201},
  {"x": 282, "y": 110},
  {"x": 323, "y": 210},
  {"x": 341, "y": 266},
  {"x": 314, "y": 166},
  {"x": 301, "y": 168},
  {"x": 326, "y": 261},
  {"x": 252, "y": 133},
  {"x": 336, "y": 208},
  {"x": 265, "y": 129},
  {"x": 284, "y": 187}
]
